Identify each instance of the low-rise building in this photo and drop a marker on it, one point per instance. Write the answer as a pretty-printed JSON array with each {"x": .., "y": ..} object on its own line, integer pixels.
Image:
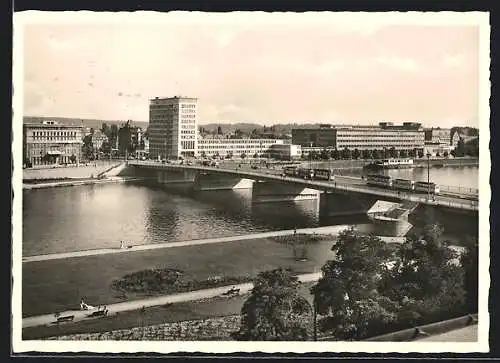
[
  {"x": 437, "y": 149},
  {"x": 285, "y": 151},
  {"x": 50, "y": 143},
  {"x": 98, "y": 139},
  {"x": 438, "y": 135}
]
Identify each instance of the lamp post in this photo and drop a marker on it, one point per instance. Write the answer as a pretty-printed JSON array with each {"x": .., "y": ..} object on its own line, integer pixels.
[
  {"x": 428, "y": 177},
  {"x": 310, "y": 155}
]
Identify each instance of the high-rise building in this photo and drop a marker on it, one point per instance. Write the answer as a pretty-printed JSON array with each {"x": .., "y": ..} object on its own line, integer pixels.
[{"x": 173, "y": 127}]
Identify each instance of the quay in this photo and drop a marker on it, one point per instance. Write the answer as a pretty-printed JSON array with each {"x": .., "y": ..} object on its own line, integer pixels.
[{"x": 332, "y": 230}]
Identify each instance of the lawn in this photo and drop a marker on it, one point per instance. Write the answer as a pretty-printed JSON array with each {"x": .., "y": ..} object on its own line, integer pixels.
[
  {"x": 191, "y": 310},
  {"x": 58, "y": 285}
]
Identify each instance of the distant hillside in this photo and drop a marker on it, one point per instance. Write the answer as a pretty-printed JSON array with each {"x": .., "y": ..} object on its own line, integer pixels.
[{"x": 96, "y": 124}]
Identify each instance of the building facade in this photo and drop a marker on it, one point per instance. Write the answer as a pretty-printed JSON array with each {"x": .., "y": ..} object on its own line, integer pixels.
[
  {"x": 285, "y": 151},
  {"x": 98, "y": 139},
  {"x": 50, "y": 143},
  {"x": 407, "y": 136},
  {"x": 223, "y": 147},
  {"x": 438, "y": 135},
  {"x": 173, "y": 127},
  {"x": 130, "y": 138}
]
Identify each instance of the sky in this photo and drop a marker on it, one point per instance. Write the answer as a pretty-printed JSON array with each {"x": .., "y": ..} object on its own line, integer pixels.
[{"x": 263, "y": 70}]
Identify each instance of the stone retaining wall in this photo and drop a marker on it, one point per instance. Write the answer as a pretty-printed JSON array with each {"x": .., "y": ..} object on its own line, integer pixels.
[{"x": 208, "y": 329}]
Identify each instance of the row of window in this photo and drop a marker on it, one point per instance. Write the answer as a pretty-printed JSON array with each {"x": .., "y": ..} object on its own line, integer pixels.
[
  {"x": 188, "y": 105},
  {"x": 187, "y": 145}
]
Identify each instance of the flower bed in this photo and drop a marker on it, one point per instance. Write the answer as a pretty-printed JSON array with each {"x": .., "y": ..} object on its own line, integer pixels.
[{"x": 167, "y": 280}]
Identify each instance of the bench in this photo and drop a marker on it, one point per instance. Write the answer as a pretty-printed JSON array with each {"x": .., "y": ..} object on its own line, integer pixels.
[
  {"x": 61, "y": 319},
  {"x": 98, "y": 313}
]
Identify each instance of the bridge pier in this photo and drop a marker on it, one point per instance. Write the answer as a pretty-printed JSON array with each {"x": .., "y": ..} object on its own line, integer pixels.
[
  {"x": 280, "y": 192},
  {"x": 175, "y": 176},
  {"x": 216, "y": 181},
  {"x": 340, "y": 203}
]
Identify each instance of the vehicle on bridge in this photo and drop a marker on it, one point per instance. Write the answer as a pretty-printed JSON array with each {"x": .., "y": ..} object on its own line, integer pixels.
[
  {"x": 323, "y": 174},
  {"x": 290, "y": 171},
  {"x": 403, "y": 184},
  {"x": 305, "y": 173},
  {"x": 425, "y": 187},
  {"x": 379, "y": 180}
]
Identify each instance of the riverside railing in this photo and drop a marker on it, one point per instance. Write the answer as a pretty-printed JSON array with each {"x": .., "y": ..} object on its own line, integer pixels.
[{"x": 438, "y": 201}]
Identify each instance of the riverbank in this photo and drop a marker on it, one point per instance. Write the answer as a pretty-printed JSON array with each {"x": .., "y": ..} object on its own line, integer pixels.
[
  {"x": 81, "y": 171},
  {"x": 58, "y": 285},
  {"x": 41, "y": 184},
  {"x": 360, "y": 163},
  {"x": 331, "y": 230}
]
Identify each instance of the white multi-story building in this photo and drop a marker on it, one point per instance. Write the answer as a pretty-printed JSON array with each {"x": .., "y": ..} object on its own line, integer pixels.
[
  {"x": 407, "y": 136},
  {"x": 173, "y": 127},
  {"x": 48, "y": 142},
  {"x": 213, "y": 146}
]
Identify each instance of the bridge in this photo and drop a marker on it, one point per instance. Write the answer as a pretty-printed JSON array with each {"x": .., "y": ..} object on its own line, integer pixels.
[{"x": 271, "y": 185}]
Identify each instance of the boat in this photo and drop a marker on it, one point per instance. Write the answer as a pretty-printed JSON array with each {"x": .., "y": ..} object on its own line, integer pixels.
[{"x": 391, "y": 164}]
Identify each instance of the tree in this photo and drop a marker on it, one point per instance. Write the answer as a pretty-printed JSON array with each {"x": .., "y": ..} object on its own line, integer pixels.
[
  {"x": 243, "y": 155},
  {"x": 412, "y": 153},
  {"x": 367, "y": 154},
  {"x": 469, "y": 262},
  {"x": 335, "y": 154},
  {"x": 420, "y": 154},
  {"x": 219, "y": 130},
  {"x": 256, "y": 155},
  {"x": 229, "y": 155},
  {"x": 356, "y": 154},
  {"x": 203, "y": 154},
  {"x": 446, "y": 154},
  {"x": 325, "y": 155},
  {"x": 346, "y": 295},
  {"x": 403, "y": 153},
  {"x": 393, "y": 153},
  {"x": 105, "y": 129},
  {"x": 72, "y": 158},
  {"x": 346, "y": 154},
  {"x": 425, "y": 273},
  {"x": 377, "y": 154},
  {"x": 216, "y": 155},
  {"x": 274, "y": 310}
]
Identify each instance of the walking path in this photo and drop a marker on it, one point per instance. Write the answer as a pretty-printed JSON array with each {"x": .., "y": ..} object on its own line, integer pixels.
[
  {"x": 333, "y": 230},
  {"x": 79, "y": 315}
]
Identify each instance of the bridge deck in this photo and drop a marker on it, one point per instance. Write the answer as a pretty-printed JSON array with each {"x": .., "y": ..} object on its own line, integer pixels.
[{"x": 455, "y": 200}]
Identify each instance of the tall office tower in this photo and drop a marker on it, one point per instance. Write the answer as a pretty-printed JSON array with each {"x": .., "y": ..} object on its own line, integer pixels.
[{"x": 173, "y": 127}]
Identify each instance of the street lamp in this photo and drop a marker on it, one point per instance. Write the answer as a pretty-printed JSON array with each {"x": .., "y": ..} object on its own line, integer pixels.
[
  {"x": 310, "y": 155},
  {"x": 428, "y": 177}
]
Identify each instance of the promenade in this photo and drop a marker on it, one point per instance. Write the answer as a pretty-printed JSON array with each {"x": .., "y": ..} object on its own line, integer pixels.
[
  {"x": 79, "y": 315},
  {"x": 331, "y": 230}
]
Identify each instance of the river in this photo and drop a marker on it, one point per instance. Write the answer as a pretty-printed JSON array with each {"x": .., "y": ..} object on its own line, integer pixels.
[{"x": 100, "y": 216}]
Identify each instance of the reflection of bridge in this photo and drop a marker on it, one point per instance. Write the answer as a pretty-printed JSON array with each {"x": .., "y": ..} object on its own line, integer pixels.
[{"x": 270, "y": 186}]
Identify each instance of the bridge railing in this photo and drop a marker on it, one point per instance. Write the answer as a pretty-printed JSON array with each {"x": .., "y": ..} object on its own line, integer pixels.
[{"x": 469, "y": 205}]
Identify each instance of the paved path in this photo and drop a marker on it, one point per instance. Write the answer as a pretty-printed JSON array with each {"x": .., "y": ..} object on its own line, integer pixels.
[
  {"x": 334, "y": 230},
  {"x": 79, "y": 315},
  {"x": 467, "y": 334}
]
